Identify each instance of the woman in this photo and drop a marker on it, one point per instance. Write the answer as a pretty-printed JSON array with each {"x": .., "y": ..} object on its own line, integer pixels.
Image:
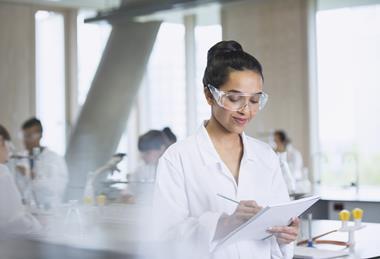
[
  {"x": 14, "y": 218},
  {"x": 151, "y": 146},
  {"x": 289, "y": 153},
  {"x": 221, "y": 159}
]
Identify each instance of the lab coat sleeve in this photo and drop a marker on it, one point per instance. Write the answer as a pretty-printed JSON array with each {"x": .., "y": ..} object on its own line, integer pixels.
[
  {"x": 174, "y": 219},
  {"x": 52, "y": 177},
  {"x": 279, "y": 195},
  {"x": 13, "y": 216}
]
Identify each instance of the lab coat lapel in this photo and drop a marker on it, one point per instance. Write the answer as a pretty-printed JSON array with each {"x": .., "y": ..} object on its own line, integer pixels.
[
  {"x": 252, "y": 172},
  {"x": 210, "y": 157}
]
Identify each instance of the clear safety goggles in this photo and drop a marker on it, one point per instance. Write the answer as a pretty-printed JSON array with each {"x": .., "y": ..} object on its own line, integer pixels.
[
  {"x": 238, "y": 101},
  {"x": 10, "y": 147},
  {"x": 29, "y": 136}
]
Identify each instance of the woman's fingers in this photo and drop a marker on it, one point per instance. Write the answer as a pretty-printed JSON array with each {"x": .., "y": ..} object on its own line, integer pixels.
[
  {"x": 246, "y": 210},
  {"x": 285, "y": 238},
  {"x": 296, "y": 222},
  {"x": 244, "y": 216},
  {"x": 250, "y": 203},
  {"x": 252, "y": 210},
  {"x": 287, "y": 230},
  {"x": 286, "y": 234}
]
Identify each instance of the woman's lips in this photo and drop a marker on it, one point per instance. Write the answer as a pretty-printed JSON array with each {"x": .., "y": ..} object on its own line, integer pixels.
[{"x": 240, "y": 121}]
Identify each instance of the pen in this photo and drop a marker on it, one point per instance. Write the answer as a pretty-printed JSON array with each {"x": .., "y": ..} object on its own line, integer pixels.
[{"x": 229, "y": 199}]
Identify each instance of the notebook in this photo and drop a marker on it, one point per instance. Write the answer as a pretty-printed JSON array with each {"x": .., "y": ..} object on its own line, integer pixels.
[
  {"x": 301, "y": 252},
  {"x": 270, "y": 216}
]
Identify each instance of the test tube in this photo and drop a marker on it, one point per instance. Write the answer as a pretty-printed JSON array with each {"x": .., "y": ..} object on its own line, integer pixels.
[{"x": 309, "y": 221}]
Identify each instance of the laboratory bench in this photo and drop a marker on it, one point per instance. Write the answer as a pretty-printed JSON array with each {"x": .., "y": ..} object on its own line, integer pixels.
[
  {"x": 333, "y": 200},
  {"x": 115, "y": 231},
  {"x": 367, "y": 241}
]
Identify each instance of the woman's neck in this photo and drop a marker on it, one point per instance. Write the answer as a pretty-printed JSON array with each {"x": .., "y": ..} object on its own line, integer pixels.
[
  {"x": 220, "y": 135},
  {"x": 281, "y": 149}
]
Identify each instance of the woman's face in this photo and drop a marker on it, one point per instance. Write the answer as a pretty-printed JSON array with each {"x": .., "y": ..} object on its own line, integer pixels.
[
  {"x": 152, "y": 156},
  {"x": 246, "y": 81}
]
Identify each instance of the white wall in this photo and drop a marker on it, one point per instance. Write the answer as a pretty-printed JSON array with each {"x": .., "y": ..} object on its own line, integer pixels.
[
  {"x": 17, "y": 76},
  {"x": 275, "y": 32}
]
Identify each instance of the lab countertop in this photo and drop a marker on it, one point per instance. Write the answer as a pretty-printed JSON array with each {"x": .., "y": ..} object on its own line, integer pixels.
[
  {"x": 365, "y": 194},
  {"x": 116, "y": 229},
  {"x": 367, "y": 243}
]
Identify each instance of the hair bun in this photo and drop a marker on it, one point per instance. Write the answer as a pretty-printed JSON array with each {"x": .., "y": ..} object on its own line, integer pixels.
[
  {"x": 169, "y": 134},
  {"x": 224, "y": 47}
]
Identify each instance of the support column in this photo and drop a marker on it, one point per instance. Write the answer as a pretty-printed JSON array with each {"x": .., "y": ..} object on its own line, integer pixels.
[{"x": 102, "y": 120}]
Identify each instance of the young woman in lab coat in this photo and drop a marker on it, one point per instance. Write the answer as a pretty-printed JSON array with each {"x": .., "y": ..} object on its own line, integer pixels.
[
  {"x": 221, "y": 159},
  {"x": 14, "y": 219}
]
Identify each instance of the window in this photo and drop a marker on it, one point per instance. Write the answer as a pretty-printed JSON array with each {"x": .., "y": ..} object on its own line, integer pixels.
[
  {"x": 162, "y": 100},
  {"x": 205, "y": 37},
  {"x": 92, "y": 39},
  {"x": 50, "y": 78},
  {"x": 348, "y": 44},
  {"x": 162, "y": 97}
]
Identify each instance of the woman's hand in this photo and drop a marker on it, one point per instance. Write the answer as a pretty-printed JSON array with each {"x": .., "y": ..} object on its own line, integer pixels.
[
  {"x": 243, "y": 212},
  {"x": 286, "y": 234}
]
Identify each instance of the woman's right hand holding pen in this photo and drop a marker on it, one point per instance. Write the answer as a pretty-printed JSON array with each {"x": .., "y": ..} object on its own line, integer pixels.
[{"x": 243, "y": 212}]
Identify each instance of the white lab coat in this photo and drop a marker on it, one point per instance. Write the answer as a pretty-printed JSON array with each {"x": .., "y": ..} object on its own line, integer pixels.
[
  {"x": 187, "y": 209},
  {"x": 49, "y": 185},
  {"x": 14, "y": 218},
  {"x": 295, "y": 161},
  {"x": 141, "y": 183}
]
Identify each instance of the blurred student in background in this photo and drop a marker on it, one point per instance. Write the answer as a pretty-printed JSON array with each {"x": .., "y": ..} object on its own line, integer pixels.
[
  {"x": 42, "y": 175},
  {"x": 290, "y": 153},
  {"x": 13, "y": 216},
  {"x": 151, "y": 146}
]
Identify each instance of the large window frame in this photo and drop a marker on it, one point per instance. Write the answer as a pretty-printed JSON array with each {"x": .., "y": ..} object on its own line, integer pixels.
[
  {"x": 69, "y": 64},
  {"x": 319, "y": 156}
]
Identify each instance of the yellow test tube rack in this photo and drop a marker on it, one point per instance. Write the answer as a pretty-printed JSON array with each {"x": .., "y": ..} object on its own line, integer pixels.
[{"x": 345, "y": 216}]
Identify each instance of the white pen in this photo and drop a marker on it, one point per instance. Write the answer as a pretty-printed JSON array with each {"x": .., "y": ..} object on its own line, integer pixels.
[{"x": 224, "y": 197}]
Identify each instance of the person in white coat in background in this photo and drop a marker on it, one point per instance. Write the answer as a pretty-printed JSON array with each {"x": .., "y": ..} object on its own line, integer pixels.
[
  {"x": 14, "y": 219},
  {"x": 221, "y": 159},
  {"x": 292, "y": 155},
  {"x": 151, "y": 146},
  {"x": 42, "y": 176}
]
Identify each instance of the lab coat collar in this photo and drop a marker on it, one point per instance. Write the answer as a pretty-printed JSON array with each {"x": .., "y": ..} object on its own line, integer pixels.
[{"x": 208, "y": 151}]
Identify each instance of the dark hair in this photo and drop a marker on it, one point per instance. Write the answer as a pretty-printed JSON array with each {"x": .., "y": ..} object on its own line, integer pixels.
[
  {"x": 4, "y": 133},
  {"x": 170, "y": 135},
  {"x": 155, "y": 139},
  {"x": 225, "y": 57},
  {"x": 31, "y": 123},
  {"x": 282, "y": 136}
]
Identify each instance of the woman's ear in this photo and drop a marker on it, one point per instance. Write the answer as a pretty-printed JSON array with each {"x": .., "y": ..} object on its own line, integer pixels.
[{"x": 208, "y": 95}]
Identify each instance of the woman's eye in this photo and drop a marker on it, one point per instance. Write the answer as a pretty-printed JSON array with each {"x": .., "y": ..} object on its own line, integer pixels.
[
  {"x": 233, "y": 98},
  {"x": 255, "y": 99}
]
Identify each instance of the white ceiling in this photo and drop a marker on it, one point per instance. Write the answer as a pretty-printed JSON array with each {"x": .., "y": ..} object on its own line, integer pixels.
[{"x": 93, "y": 4}]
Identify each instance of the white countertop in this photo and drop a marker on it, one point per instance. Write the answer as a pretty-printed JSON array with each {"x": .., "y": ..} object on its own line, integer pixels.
[
  {"x": 367, "y": 243},
  {"x": 365, "y": 194}
]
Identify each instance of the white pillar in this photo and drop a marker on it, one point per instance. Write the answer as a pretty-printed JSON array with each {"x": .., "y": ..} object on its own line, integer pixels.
[{"x": 102, "y": 120}]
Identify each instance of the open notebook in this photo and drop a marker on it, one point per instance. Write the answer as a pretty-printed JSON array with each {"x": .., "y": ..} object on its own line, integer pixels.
[{"x": 270, "y": 216}]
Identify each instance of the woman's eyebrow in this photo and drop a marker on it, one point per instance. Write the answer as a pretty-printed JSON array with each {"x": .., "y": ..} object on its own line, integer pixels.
[
  {"x": 234, "y": 91},
  {"x": 239, "y": 92}
]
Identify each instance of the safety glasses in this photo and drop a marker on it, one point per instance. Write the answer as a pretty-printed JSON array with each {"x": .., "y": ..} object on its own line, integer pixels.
[
  {"x": 238, "y": 101},
  {"x": 10, "y": 147}
]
